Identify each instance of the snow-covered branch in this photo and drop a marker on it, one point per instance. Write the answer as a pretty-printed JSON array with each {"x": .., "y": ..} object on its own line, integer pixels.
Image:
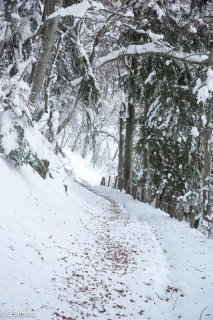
[
  {"x": 76, "y": 10},
  {"x": 153, "y": 47},
  {"x": 109, "y": 134}
]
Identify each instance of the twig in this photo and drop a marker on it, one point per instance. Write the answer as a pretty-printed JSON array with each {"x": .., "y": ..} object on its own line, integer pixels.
[
  {"x": 175, "y": 303},
  {"x": 159, "y": 296},
  {"x": 202, "y": 312}
]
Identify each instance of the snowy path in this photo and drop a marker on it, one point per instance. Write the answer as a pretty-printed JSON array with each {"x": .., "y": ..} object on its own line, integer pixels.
[
  {"x": 119, "y": 276},
  {"x": 188, "y": 254},
  {"x": 97, "y": 255}
]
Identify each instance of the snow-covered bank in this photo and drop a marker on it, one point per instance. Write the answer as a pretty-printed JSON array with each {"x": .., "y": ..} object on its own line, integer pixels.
[
  {"x": 39, "y": 223},
  {"x": 78, "y": 255},
  {"x": 187, "y": 251},
  {"x": 75, "y": 255},
  {"x": 82, "y": 168}
]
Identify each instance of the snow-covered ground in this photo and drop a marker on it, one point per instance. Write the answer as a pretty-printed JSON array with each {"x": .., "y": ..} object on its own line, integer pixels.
[
  {"x": 94, "y": 253},
  {"x": 187, "y": 255},
  {"x": 82, "y": 169}
]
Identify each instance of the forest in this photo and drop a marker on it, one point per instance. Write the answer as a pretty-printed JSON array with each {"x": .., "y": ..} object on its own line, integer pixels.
[
  {"x": 126, "y": 86},
  {"x": 127, "y": 82}
]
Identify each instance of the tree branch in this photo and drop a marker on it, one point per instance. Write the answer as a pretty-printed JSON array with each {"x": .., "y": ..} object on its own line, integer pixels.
[
  {"x": 152, "y": 47},
  {"x": 109, "y": 135}
]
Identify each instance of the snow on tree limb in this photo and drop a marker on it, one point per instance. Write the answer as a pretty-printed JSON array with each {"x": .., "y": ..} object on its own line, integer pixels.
[
  {"x": 77, "y": 10},
  {"x": 109, "y": 134},
  {"x": 153, "y": 47}
]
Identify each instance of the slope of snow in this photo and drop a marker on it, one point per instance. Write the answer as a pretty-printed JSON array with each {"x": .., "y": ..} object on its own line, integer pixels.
[
  {"x": 82, "y": 169},
  {"x": 187, "y": 251},
  {"x": 96, "y": 254}
]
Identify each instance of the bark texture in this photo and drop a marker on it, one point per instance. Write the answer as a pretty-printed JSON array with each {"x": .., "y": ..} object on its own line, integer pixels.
[
  {"x": 145, "y": 160},
  {"x": 207, "y": 152},
  {"x": 129, "y": 148},
  {"x": 44, "y": 58},
  {"x": 121, "y": 151}
]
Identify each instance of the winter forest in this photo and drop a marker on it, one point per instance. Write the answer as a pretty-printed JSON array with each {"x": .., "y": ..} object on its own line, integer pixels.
[{"x": 106, "y": 159}]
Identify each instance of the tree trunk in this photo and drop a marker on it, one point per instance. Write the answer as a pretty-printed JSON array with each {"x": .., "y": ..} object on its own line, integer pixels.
[
  {"x": 180, "y": 209},
  {"x": 9, "y": 9},
  {"x": 172, "y": 209},
  {"x": 109, "y": 181},
  {"x": 129, "y": 148},
  {"x": 207, "y": 153},
  {"x": 211, "y": 56},
  {"x": 192, "y": 211},
  {"x": 48, "y": 38},
  {"x": 9, "y": 43},
  {"x": 134, "y": 192},
  {"x": 207, "y": 168},
  {"x": 157, "y": 203},
  {"x": 121, "y": 150},
  {"x": 145, "y": 159},
  {"x": 116, "y": 182},
  {"x": 144, "y": 182}
]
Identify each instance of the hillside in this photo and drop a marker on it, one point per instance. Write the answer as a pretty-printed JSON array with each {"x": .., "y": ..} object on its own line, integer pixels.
[
  {"x": 94, "y": 253},
  {"x": 106, "y": 159}
]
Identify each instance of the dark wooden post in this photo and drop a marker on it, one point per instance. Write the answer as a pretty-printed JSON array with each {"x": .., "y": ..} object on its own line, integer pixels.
[
  {"x": 116, "y": 182},
  {"x": 157, "y": 203},
  {"x": 134, "y": 192},
  {"x": 192, "y": 210},
  {"x": 109, "y": 181},
  {"x": 144, "y": 194},
  {"x": 180, "y": 209},
  {"x": 127, "y": 187},
  {"x": 121, "y": 185},
  {"x": 103, "y": 181},
  {"x": 173, "y": 207}
]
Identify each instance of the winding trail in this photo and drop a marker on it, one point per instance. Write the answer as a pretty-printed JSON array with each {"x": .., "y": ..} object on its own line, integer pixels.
[
  {"x": 122, "y": 273},
  {"x": 95, "y": 253}
]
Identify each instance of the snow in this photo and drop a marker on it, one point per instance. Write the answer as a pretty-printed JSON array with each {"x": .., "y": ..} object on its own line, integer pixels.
[
  {"x": 16, "y": 16},
  {"x": 154, "y": 107},
  {"x": 94, "y": 253},
  {"x": 195, "y": 132},
  {"x": 9, "y": 138},
  {"x": 188, "y": 256},
  {"x": 149, "y": 78},
  {"x": 193, "y": 29},
  {"x": 76, "y": 10},
  {"x": 129, "y": 13},
  {"x": 26, "y": 31},
  {"x": 97, "y": 5},
  {"x": 82, "y": 169},
  {"x": 204, "y": 90},
  {"x": 154, "y": 36},
  {"x": 202, "y": 94},
  {"x": 210, "y": 79},
  {"x": 204, "y": 119},
  {"x": 76, "y": 81},
  {"x": 156, "y": 7},
  {"x": 159, "y": 11},
  {"x": 153, "y": 47}
]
